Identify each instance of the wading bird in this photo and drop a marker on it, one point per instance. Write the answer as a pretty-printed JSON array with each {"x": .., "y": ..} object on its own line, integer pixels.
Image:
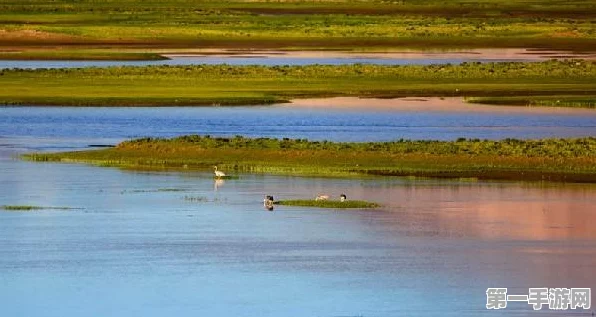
[
  {"x": 268, "y": 202},
  {"x": 322, "y": 197},
  {"x": 219, "y": 174}
]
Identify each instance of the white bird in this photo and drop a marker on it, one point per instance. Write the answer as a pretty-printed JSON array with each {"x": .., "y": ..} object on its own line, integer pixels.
[
  {"x": 322, "y": 197},
  {"x": 219, "y": 174}
]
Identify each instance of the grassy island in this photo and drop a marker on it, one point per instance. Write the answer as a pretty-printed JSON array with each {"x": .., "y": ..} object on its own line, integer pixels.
[
  {"x": 30, "y": 208},
  {"x": 20, "y": 208},
  {"x": 566, "y": 160},
  {"x": 348, "y": 204},
  {"x": 245, "y": 85}
]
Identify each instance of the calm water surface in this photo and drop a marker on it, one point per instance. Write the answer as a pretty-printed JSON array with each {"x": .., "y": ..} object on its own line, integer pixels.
[
  {"x": 77, "y": 125},
  {"x": 249, "y": 60},
  {"x": 135, "y": 245}
]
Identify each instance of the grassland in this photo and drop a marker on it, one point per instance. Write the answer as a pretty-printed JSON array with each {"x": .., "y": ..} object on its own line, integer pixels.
[
  {"x": 567, "y": 160},
  {"x": 298, "y": 24},
  {"x": 242, "y": 85},
  {"x": 349, "y": 204}
]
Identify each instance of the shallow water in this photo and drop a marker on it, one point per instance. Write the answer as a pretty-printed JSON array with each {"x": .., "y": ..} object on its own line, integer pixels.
[
  {"x": 135, "y": 245},
  {"x": 134, "y": 248},
  {"x": 242, "y": 60}
]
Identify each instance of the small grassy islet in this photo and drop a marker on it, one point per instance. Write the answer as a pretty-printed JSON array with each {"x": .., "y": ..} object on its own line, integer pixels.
[
  {"x": 31, "y": 208},
  {"x": 348, "y": 204}
]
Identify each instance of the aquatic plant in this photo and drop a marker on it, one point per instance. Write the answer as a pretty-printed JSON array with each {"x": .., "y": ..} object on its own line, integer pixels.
[
  {"x": 360, "y": 204},
  {"x": 21, "y": 207},
  {"x": 31, "y": 208}
]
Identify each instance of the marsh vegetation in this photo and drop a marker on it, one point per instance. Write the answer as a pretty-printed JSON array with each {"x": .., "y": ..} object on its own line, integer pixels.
[
  {"x": 571, "y": 160},
  {"x": 31, "y": 208},
  {"x": 335, "y": 204},
  {"x": 242, "y": 85}
]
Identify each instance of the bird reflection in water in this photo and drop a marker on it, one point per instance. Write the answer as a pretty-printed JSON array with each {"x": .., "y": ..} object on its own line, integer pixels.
[{"x": 217, "y": 183}]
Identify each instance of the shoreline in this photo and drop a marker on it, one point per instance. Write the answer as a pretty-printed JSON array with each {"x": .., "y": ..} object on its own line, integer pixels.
[
  {"x": 150, "y": 54},
  {"x": 517, "y": 54},
  {"x": 417, "y": 103}
]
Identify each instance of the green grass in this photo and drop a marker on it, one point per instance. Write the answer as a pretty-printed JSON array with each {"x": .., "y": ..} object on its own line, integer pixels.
[
  {"x": 360, "y": 204},
  {"x": 359, "y": 25},
  {"x": 244, "y": 85},
  {"x": 30, "y": 208},
  {"x": 566, "y": 160}
]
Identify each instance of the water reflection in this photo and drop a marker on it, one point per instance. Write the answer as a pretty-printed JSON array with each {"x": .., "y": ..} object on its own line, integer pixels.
[
  {"x": 436, "y": 242},
  {"x": 217, "y": 183}
]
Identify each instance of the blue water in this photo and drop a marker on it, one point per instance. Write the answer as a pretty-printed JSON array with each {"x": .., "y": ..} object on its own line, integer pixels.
[
  {"x": 115, "y": 124},
  {"x": 134, "y": 244},
  {"x": 129, "y": 249},
  {"x": 252, "y": 60}
]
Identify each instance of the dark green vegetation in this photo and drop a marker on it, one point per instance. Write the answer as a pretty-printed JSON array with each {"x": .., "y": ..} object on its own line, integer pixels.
[
  {"x": 325, "y": 24},
  {"x": 538, "y": 101},
  {"x": 570, "y": 160},
  {"x": 160, "y": 190},
  {"x": 30, "y": 208},
  {"x": 79, "y": 54},
  {"x": 241, "y": 85},
  {"x": 360, "y": 204},
  {"x": 21, "y": 207}
]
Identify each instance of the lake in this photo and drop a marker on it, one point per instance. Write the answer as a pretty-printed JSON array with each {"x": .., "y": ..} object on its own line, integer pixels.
[{"x": 181, "y": 244}]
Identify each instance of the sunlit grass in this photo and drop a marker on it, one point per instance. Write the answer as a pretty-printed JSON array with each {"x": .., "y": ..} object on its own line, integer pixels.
[
  {"x": 210, "y": 85},
  {"x": 570, "y": 160},
  {"x": 300, "y": 24}
]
